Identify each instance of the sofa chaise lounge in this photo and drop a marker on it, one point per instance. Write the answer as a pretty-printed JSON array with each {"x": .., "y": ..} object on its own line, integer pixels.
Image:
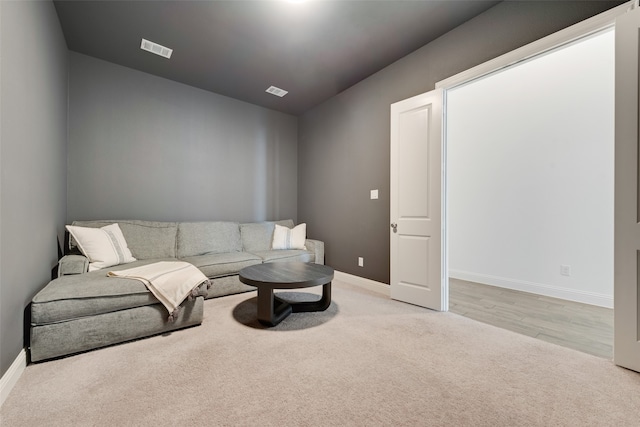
[{"x": 83, "y": 310}]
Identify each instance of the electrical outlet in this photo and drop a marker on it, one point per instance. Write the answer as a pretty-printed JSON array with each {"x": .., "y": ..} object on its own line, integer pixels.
[
  {"x": 360, "y": 261},
  {"x": 374, "y": 194},
  {"x": 565, "y": 270}
]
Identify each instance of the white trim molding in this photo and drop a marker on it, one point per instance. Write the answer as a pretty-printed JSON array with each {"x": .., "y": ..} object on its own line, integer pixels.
[
  {"x": 575, "y": 295},
  {"x": 372, "y": 285},
  {"x": 11, "y": 377},
  {"x": 568, "y": 35}
]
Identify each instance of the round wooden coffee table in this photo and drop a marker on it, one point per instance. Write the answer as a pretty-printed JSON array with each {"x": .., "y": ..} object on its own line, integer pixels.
[{"x": 287, "y": 275}]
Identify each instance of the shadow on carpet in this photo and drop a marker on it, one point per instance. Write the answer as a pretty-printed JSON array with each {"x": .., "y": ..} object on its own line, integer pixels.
[{"x": 245, "y": 313}]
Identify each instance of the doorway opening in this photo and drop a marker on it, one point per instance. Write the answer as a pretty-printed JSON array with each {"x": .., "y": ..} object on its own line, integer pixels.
[{"x": 529, "y": 191}]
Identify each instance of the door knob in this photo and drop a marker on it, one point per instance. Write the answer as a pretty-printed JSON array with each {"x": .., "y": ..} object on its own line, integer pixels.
[{"x": 395, "y": 227}]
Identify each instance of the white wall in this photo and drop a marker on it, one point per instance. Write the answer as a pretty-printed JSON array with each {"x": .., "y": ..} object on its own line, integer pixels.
[{"x": 530, "y": 174}]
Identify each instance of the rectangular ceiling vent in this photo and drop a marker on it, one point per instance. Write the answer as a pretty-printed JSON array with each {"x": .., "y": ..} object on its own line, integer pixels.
[
  {"x": 277, "y": 91},
  {"x": 156, "y": 48}
]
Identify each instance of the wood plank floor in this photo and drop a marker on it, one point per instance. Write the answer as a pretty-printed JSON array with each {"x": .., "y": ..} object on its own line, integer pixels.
[{"x": 582, "y": 327}]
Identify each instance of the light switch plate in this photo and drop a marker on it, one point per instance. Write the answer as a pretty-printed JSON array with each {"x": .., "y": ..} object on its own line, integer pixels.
[{"x": 374, "y": 194}]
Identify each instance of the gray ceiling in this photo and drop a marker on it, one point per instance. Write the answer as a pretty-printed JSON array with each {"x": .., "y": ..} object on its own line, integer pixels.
[{"x": 314, "y": 49}]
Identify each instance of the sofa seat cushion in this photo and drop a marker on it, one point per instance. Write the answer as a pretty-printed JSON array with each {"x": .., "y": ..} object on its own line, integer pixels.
[
  {"x": 89, "y": 294},
  {"x": 215, "y": 265},
  {"x": 287, "y": 255},
  {"x": 227, "y": 285}
]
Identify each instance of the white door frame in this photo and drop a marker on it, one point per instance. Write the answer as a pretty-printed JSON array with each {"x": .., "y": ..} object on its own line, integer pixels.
[
  {"x": 626, "y": 349},
  {"x": 561, "y": 38}
]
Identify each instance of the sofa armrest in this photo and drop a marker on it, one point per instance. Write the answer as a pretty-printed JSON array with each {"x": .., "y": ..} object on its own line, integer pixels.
[
  {"x": 73, "y": 264},
  {"x": 317, "y": 247}
]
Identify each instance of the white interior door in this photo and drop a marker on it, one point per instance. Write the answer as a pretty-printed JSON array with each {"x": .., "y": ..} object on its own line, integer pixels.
[
  {"x": 626, "y": 295},
  {"x": 416, "y": 202}
]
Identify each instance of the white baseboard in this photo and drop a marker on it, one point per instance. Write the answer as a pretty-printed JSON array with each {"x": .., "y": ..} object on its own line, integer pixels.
[
  {"x": 372, "y": 285},
  {"x": 10, "y": 378},
  {"x": 576, "y": 295}
]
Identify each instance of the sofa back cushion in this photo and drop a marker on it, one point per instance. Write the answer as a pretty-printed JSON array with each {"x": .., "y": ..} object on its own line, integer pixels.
[
  {"x": 257, "y": 236},
  {"x": 212, "y": 237},
  {"x": 146, "y": 239}
]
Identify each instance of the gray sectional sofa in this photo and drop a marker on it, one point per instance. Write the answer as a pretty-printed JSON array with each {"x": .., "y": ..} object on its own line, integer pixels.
[{"x": 82, "y": 310}]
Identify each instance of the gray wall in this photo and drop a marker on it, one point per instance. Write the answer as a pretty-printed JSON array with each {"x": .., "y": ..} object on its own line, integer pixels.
[
  {"x": 343, "y": 144},
  {"x": 33, "y": 160},
  {"x": 144, "y": 147}
]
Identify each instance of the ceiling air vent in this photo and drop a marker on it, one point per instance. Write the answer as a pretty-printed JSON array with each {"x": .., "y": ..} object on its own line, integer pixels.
[
  {"x": 277, "y": 91},
  {"x": 156, "y": 48}
]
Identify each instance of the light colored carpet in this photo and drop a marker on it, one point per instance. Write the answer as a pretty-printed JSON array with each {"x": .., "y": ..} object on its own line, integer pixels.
[{"x": 366, "y": 361}]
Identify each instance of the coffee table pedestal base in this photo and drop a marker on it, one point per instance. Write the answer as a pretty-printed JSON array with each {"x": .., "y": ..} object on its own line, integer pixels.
[{"x": 273, "y": 310}]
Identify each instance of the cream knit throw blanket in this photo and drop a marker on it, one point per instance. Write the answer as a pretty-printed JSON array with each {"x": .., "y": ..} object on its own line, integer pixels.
[{"x": 170, "y": 281}]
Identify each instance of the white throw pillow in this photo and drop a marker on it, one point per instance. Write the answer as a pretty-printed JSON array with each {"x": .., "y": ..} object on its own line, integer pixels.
[
  {"x": 105, "y": 247},
  {"x": 289, "y": 238}
]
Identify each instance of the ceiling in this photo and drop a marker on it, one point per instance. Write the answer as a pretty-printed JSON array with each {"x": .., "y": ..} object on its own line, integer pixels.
[{"x": 314, "y": 49}]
